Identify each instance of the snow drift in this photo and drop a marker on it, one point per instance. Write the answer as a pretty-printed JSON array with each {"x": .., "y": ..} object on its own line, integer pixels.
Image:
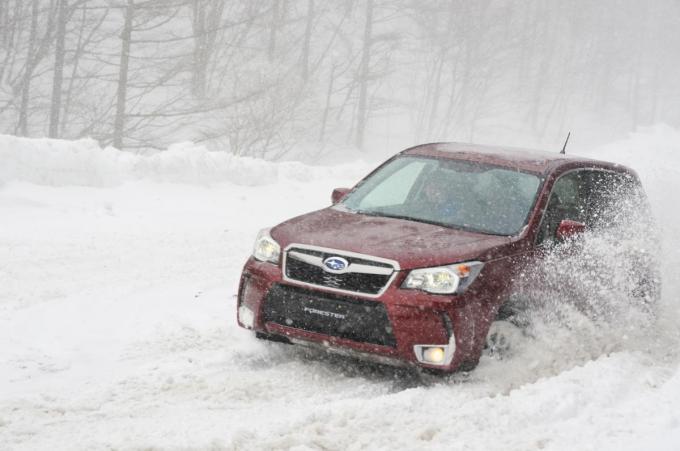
[{"x": 56, "y": 162}]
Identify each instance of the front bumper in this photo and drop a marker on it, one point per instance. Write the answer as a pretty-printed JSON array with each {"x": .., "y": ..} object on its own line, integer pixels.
[{"x": 413, "y": 319}]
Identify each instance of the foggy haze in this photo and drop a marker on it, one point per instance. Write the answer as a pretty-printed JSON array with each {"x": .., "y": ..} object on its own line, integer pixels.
[{"x": 305, "y": 79}]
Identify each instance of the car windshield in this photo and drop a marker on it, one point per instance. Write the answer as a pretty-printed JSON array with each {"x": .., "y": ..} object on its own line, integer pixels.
[{"x": 453, "y": 193}]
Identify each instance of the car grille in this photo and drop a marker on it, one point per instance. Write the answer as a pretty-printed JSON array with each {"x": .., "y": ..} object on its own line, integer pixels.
[
  {"x": 363, "y": 275},
  {"x": 328, "y": 314}
]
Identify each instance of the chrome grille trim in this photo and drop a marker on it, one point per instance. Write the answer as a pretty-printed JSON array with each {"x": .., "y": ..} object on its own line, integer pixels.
[
  {"x": 357, "y": 268},
  {"x": 353, "y": 267}
]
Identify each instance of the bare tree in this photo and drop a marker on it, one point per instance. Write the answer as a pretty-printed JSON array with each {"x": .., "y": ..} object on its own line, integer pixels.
[
  {"x": 55, "y": 109},
  {"x": 22, "y": 126},
  {"x": 274, "y": 28},
  {"x": 362, "y": 109},
  {"x": 121, "y": 96},
  {"x": 266, "y": 78},
  {"x": 207, "y": 16},
  {"x": 308, "y": 40}
]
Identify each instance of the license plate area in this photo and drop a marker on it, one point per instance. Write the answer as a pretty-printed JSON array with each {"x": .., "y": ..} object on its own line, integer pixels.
[{"x": 354, "y": 319}]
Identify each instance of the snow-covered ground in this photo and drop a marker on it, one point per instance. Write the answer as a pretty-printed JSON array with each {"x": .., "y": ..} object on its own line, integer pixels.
[{"x": 118, "y": 276}]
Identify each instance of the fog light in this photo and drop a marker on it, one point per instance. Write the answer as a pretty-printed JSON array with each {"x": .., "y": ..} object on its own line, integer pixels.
[
  {"x": 440, "y": 355},
  {"x": 434, "y": 355},
  {"x": 246, "y": 316}
]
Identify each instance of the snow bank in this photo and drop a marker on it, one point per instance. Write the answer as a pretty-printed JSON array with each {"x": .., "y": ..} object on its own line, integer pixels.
[
  {"x": 83, "y": 162},
  {"x": 652, "y": 151}
]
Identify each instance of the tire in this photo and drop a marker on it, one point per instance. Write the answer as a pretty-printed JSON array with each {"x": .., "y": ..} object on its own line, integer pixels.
[{"x": 503, "y": 338}]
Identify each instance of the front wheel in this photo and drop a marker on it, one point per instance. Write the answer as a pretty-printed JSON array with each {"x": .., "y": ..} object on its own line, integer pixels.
[{"x": 503, "y": 338}]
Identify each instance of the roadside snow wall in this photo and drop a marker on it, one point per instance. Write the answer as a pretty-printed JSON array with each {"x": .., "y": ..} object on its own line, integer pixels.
[
  {"x": 654, "y": 152},
  {"x": 83, "y": 162}
]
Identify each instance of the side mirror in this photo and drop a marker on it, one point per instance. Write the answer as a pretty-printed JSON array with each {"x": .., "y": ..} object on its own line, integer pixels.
[
  {"x": 569, "y": 229},
  {"x": 338, "y": 194}
]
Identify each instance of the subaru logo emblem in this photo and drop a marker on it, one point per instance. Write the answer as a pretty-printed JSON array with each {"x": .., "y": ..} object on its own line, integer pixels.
[{"x": 335, "y": 264}]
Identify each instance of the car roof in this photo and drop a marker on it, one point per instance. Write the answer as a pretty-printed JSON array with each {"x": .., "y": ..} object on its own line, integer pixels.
[{"x": 528, "y": 160}]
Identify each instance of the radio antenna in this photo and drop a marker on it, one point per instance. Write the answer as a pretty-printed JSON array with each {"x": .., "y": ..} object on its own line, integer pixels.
[{"x": 564, "y": 148}]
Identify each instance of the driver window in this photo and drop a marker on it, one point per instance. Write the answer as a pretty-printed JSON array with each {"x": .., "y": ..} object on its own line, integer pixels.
[{"x": 568, "y": 200}]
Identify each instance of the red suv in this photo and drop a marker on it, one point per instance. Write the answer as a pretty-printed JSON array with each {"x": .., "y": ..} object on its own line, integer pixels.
[{"x": 413, "y": 264}]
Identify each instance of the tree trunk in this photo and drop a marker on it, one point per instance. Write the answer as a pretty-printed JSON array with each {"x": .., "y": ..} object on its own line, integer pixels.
[
  {"x": 363, "y": 80},
  {"x": 119, "y": 123},
  {"x": 327, "y": 107},
  {"x": 199, "y": 68},
  {"x": 207, "y": 16},
  {"x": 74, "y": 71},
  {"x": 22, "y": 126},
  {"x": 308, "y": 38},
  {"x": 55, "y": 107},
  {"x": 436, "y": 94},
  {"x": 273, "y": 29},
  {"x": 4, "y": 23}
]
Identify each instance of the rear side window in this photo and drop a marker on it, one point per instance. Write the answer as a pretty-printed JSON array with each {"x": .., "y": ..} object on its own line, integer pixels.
[
  {"x": 568, "y": 200},
  {"x": 599, "y": 199},
  {"x": 614, "y": 199}
]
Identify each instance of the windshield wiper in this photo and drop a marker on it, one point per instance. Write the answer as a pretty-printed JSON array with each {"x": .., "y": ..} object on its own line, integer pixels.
[{"x": 442, "y": 224}]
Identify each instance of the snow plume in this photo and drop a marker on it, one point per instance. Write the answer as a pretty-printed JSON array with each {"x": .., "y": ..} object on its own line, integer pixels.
[
  {"x": 589, "y": 304},
  {"x": 654, "y": 152},
  {"x": 605, "y": 292}
]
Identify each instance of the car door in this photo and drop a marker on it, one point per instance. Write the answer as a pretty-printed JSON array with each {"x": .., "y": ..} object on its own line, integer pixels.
[{"x": 568, "y": 199}]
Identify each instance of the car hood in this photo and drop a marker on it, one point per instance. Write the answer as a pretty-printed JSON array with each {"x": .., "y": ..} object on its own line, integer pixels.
[{"x": 412, "y": 244}]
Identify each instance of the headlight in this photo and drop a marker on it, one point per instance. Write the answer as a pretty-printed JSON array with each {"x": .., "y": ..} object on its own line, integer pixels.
[
  {"x": 266, "y": 249},
  {"x": 443, "y": 279}
]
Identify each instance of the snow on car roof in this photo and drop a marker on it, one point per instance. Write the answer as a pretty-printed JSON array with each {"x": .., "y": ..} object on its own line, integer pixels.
[{"x": 523, "y": 159}]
